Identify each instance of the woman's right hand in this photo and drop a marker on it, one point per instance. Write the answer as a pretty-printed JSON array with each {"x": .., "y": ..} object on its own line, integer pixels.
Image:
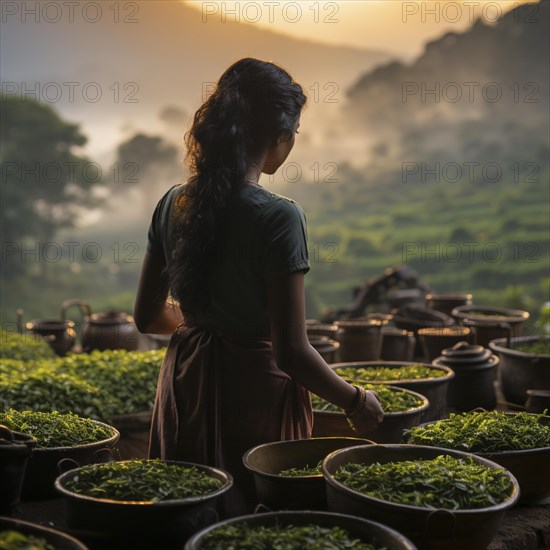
[{"x": 369, "y": 414}]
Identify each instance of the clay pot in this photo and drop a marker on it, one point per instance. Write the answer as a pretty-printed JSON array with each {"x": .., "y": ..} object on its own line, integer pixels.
[
  {"x": 473, "y": 383},
  {"x": 413, "y": 317},
  {"x": 521, "y": 371},
  {"x": 15, "y": 450},
  {"x": 110, "y": 330},
  {"x": 489, "y": 323},
  {"x": 59, "y": 334},
  {"x": 447, "y": 302},
  {"x": 315, "y": 329},
  {"x": 538, "y": 401},
  {"x": 101, "y": 331},
  {"x": 434, "y": 340},
  {"x": 397, "y": 344},
  {"x": 360, "y": 339}
]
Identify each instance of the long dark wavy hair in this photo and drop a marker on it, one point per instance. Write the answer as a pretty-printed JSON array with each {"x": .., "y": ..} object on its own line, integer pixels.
[{"x": 253, "y": 104}]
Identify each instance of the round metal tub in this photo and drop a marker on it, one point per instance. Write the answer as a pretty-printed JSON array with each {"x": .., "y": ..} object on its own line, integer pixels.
[
  {"x": 527, "y": 466},
  {"x": 142, "y": 521},
  {"x": 365, "y": 530},
  {"x": 335, "y": 424},
  {"x": 430, "y": 529},
  {"x": 434, "y": 389},
  {"x": 293, "y": 493},
  {"x": 42, "y": 466}
]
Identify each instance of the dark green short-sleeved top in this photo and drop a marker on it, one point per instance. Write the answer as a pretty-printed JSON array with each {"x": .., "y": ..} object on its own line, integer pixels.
[{"x": 265, "y": 234}]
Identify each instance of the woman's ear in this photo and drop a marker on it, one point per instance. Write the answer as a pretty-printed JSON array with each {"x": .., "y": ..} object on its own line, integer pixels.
[{"x": 285, "y": 136}]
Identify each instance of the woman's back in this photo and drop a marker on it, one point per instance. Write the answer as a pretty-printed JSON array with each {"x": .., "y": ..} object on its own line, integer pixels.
[{"x": 262, "y": 234}]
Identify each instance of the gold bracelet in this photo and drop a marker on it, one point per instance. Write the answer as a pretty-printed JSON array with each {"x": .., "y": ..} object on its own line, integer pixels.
[
  {"x": 361, "y": 404},
  {"x": 356, "y": 399}
]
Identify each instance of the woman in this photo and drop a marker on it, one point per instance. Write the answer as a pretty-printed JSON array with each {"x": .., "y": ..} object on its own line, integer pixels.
[{"x": 233, "y": 255}]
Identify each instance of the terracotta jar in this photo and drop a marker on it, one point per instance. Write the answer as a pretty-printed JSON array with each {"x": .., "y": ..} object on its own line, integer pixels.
[
  {"x": 521, "y": 371},
  {"x": 414, "y": 317},
  {"x": 316, "y": 329},
  {"x": 434, "y": 340},
  {"x": 60, "y": 334},
  {"x": 360, "y": 339},
  {"x": 473, "y": 384},
  {"x": 538, "y": 401},
  {"x": 109, "y": 330},
  {"x": 397, "y": 344},
  {"x": 15, "y": 450},
  {"x": 447, "y": 302},
  {"x": 490, "y": 323}
]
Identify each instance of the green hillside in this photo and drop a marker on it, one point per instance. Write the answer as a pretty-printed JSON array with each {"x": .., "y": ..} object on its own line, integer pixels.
[{"x": 488, "y": 240}]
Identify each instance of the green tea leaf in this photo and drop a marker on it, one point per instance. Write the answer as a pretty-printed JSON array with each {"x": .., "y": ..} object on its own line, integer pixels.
[
  {"x": 388, "y": 374},
  {"x": 445, "y": 482},
  {"x": 55, "y": 429},
  {"x": 392, "y": 401},
  {"x": 302, "y": 472},
  {"x": 485, "y": 432},
  {"x": 142, "y": 480},
  {"x": 15, "y": 540},
  {"x": 287, "y": 537}
]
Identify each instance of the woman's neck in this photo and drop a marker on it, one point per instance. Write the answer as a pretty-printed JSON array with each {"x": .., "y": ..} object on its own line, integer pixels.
[{"x": 254, "y": 171}]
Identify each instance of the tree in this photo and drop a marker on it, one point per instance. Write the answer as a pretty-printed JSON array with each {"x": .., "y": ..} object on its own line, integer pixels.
[
  {"x": 361, "y": 247},
  {"x": 153, "y": 162},
  {"x": 45, "y": 184}
]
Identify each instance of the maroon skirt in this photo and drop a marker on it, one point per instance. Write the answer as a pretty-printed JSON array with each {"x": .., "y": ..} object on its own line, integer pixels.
[{"x": 219, "y": 395}]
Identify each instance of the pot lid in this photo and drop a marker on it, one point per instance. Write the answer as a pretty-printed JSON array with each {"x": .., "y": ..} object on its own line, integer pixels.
[
  {"x": 489, "y": 314},
  {"x": 452, "y": 296},
  {"x": 463, "y": 353},
  {"x": 397, "y": 332},
  {"x": 362, "y": 326},
  {"x": 420, "y": 315},
  {"x": 111, "y": 318},
  {"x": 49, "y": 325}
]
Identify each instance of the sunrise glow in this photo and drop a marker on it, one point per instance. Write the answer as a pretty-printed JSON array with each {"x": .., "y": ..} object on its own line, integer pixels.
[{"x": 392, "y": 25}]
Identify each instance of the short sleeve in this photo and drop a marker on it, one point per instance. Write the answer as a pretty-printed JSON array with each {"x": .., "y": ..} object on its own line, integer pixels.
[
  {"x": 284, "y": 239},
  {"x": 157, "y": 227}
]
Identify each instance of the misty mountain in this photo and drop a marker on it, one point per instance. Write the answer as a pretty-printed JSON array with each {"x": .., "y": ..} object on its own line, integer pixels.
[
  {"x": 481, "y": 92},
  {"x": 141, "y": 62}
]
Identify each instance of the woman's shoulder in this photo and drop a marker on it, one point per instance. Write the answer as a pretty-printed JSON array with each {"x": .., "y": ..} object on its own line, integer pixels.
[
  {"x": 281, "y": 211},
  {"x": 169, "y": 195},
  {"x": 268, "y": 200},
  {"x": 284, "y": 205}
]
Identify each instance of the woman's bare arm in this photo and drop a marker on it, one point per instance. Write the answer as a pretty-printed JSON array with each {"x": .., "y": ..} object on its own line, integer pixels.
[
  {"x": 295, "y": 355},
  {"x": 152, "y": 313}
]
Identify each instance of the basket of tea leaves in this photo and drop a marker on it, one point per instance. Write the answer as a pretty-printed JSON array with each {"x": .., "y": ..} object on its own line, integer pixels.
[
  {"x": 58, "y": 436},
  {"x": 426, "y": 379},
  {"x": 16, "y": 534},
  {"x": 402, "y": 409},
  {"x": 299, "y": 530},
  {"x": 519, "y": 442},
  {"x": 287, "y": 474},
  {"x": 142, "y": 498},
  {"x": 439, "y": 498}
]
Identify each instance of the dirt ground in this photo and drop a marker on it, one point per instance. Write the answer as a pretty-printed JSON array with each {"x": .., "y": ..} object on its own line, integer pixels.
[{"x": 524, "y": 528}]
